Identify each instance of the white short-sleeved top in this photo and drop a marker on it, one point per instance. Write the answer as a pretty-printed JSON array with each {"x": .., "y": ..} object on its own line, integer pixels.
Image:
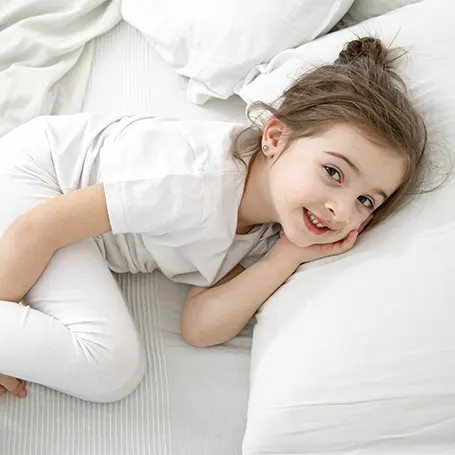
[{"x": 172, "y": 189}]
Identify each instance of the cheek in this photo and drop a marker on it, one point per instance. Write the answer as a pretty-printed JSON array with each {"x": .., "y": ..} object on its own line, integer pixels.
[
  {"x": 293, "y": 185},
  {"x": 288, "y": 187},
  {"x": 308, "y": 188}
]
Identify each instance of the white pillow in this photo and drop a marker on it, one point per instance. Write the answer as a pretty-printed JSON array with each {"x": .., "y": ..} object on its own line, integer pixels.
[
  {"x": 215, "y": 44},
  {"x": 356, "y": 354},
  {"x": 362, "y": 10}
]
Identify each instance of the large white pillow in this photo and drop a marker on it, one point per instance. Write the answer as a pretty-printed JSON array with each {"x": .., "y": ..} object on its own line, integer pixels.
[
  {"x": 216, "y": 43},
  {"x": 356, "y": 354},
  {"x": 362, "y": 10}
]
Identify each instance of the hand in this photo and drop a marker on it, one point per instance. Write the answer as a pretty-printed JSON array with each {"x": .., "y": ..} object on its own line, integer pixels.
[
  {"x": 289, "y": 252},
  {"x": 14, "y": 386}
]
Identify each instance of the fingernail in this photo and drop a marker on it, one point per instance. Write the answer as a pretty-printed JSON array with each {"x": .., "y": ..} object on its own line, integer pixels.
[{"x": 22, "y": 393}]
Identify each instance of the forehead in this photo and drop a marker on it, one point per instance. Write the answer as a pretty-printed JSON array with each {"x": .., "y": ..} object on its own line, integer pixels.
[{"x": 379, "y": 165}]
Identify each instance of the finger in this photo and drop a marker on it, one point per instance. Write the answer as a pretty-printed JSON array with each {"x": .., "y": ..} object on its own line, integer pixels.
[
  {"x": 349, "y": 241},
  {"x": 14, "y": 386},
  {"x": 20, "y": 391},
  {"x": 2, "y": 389},
  {"x": 342, "y": 246}
]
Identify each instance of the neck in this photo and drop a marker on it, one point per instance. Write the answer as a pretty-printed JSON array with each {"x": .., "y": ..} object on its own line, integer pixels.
[{"x": 256, "y": 205}]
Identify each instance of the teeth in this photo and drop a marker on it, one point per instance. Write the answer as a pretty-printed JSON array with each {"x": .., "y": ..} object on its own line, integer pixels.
[{"x": 314, "y": 220}]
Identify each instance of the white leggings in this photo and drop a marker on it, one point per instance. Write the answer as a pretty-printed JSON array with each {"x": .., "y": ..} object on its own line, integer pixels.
[{"x": 73, "y": 331}]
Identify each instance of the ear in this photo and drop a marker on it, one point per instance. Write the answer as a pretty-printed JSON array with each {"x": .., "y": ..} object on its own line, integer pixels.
[{"x": 274, "y": 137}]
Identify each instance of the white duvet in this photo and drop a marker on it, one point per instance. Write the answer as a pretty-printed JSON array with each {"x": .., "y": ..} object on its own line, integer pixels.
[{"x": 44, "y": 57}]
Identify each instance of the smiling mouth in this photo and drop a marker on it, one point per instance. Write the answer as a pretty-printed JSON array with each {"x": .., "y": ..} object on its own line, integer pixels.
[{"x": 313, "y": 224}]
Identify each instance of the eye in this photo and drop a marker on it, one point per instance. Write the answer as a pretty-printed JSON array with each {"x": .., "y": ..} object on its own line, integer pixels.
[
  {"x": 366, "y": 202},
  {"x": 334, "y": 173}
]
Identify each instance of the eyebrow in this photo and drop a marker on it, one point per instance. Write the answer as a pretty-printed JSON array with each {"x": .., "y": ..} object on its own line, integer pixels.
[{"x": 357, "y": 171}]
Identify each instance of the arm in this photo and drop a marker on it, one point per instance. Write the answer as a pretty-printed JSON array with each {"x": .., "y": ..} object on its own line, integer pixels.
[
  {"x": 217, "y": 314},
  {"x": 29, "y": 242}
]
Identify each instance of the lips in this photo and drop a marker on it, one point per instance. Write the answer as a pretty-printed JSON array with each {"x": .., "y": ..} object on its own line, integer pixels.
[{"x": 313, "y": 228}]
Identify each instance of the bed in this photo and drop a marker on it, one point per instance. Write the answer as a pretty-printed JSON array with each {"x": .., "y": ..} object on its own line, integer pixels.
[
  {"x": 192, "y": 401},
  {"x": 330, "y": 372}
]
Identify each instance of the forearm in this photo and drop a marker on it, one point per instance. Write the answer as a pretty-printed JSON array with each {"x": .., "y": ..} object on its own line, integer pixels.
[
  {"x": 30, "y": 241},
  {"x": 219, "y": 313},
  {"x": 23, "y": 257}
]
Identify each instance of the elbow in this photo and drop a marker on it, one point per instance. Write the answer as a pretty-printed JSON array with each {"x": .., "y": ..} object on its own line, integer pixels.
[
  {"x": 195, "y": 340},
  {"x": 194, "y": 336},
  {"x": 194, "y": 331},
  {"x": 200, "y": 325},
  {"x": 197, "y": 336}
]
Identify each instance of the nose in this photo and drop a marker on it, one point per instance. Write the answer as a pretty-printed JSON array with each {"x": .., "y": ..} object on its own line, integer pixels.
[{"x": 340, "y": 209}]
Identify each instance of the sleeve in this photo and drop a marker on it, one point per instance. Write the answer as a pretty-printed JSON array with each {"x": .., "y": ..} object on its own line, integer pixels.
[
  {"x": 150, "y": 180},
  {"x": 270, "y": 237}
]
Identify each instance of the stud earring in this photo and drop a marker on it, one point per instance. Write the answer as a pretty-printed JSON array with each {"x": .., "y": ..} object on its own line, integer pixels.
[{"x": 265, "y": 148}]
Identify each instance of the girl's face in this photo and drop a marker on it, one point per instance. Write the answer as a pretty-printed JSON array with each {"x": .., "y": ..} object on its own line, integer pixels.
[{"x": 325, "y": 186}]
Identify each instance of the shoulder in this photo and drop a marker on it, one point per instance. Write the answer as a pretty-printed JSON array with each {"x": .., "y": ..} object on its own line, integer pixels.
[
  {"x": 178, "y": 165},
  {"x": 179, "y": 145},
  {"x": 211, "y": 142}
]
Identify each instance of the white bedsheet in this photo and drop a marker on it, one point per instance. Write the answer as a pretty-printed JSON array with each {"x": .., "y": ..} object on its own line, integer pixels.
[
  {"x": 41, "y": 43},
  {"x": 192, "y": 401}
]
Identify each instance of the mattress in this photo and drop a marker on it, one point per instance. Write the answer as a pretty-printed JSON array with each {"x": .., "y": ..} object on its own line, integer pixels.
[{"x": 192, "y": 401}]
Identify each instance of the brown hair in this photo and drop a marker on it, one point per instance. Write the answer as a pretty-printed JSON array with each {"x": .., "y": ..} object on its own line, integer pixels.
[{"x": 359, "y": 88}]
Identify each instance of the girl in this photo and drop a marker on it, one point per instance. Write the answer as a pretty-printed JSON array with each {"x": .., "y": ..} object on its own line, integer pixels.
[{"x": 85, "y": 195}]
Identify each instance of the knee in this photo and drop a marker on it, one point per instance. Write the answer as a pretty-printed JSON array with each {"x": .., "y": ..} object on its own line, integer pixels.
[
  {"x": 123, "y": 371},
  {"x": 117, "y": 368}
]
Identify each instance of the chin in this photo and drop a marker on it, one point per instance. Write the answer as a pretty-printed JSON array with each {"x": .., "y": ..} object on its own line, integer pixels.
[{"x": 299, "y": 238}]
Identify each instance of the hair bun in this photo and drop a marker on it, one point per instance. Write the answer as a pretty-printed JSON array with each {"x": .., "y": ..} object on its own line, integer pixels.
[{"x": 369, "y": 47}]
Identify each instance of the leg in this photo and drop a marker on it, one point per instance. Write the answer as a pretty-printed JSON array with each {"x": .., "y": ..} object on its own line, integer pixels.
[{"x": 73, "y": 332}]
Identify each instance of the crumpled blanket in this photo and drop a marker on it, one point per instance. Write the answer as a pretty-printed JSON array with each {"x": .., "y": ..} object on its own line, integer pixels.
[{"x": 46, "y": 55}]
